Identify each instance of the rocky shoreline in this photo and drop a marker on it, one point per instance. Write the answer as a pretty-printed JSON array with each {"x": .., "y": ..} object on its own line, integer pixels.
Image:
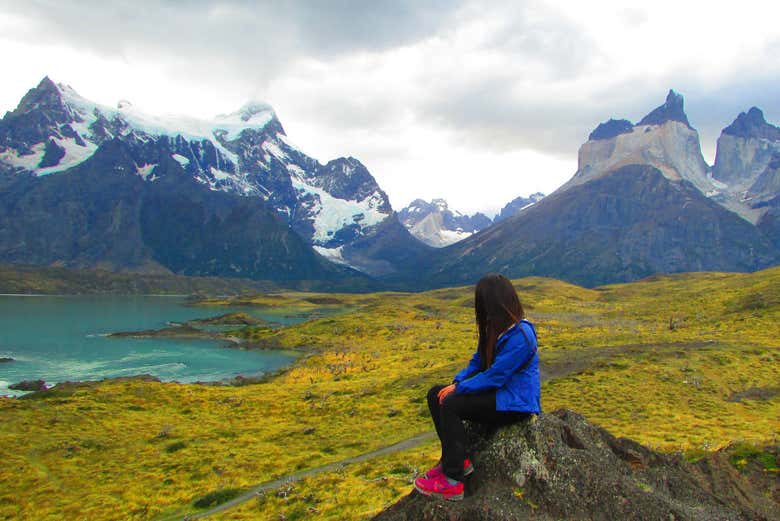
[{"x": 189, "y": 329}]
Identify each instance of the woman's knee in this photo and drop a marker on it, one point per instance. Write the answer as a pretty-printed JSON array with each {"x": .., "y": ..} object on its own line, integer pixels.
[
  {"x": 433, "y": 393},
  {"x": 451, "y": 402}
]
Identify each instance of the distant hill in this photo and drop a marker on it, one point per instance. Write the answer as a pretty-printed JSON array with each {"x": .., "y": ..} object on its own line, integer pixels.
[{"x": 437, "y": 225}]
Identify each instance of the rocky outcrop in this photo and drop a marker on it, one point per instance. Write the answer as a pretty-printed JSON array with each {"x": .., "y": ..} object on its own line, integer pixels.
[
  {"x": 671, "y": 110},
  {"x": 518, "y": 204},
  {"x": 747, "y": 162},
  {"x": 563, "y": 467},
  {"x": 663, "y": 139},
  {"x": 29, "y": 385},
  {"x": 611, "y": 128}
]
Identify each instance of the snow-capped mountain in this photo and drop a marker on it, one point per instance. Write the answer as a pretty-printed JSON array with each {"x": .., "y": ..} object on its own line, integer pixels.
[
  {"x": 332, "y": 206},
  {"x": 436, "y": 225},
  {"x": 516, "y": 205}
]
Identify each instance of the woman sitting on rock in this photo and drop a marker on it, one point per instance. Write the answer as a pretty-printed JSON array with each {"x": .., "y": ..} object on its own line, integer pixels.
[{"x": 499, "y": 386}]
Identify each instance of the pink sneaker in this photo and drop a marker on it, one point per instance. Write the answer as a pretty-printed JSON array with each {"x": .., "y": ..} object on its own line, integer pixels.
[
  {"x": 468, "y": 468},
  {"x": 439, "y": 487}
]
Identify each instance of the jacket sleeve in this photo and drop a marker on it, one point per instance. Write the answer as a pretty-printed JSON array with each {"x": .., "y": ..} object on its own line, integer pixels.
[
  {"x": 474, "y": 364},
  {"x": 514, "y": 354}
]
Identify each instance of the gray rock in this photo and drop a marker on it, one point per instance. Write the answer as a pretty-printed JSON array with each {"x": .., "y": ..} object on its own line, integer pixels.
[
  {"x": 29, "y": 385},
  {"x": 559, "y": 466},
  {"x": 671, "y": 110}
]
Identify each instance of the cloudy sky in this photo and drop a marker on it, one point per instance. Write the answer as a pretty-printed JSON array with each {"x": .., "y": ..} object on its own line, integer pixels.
[{"x": 474, "y": 101}]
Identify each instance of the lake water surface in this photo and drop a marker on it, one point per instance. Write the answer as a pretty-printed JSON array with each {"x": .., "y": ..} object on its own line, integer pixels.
[{"x": 58, "y": 338}]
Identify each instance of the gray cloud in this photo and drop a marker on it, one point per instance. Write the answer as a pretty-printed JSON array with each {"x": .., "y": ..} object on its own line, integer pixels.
[
  {"x": 500, "y": 106},
  {"x": 261, "y": 37}
]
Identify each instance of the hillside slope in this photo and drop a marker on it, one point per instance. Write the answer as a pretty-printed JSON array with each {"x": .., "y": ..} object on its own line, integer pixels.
[{"x": 623, "y": 226}]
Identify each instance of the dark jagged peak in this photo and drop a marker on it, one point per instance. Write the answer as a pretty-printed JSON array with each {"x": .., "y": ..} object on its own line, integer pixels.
[
  {"x": 41, "y": 113},
  {"x": 517, "y": 204},
  {"x": 751, "y": 124},
  {"x": 610, "y": 129},
  {"x": 348, "y": 178},
  {"x": 671, "y": 110},
  {"x": 45, "y": 97}
]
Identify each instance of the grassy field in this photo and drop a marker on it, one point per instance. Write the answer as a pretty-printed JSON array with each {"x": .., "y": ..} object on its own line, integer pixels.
[{"x": 680, "y": 363}]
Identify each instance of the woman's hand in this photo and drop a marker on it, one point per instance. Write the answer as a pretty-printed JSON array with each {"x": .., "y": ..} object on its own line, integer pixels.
[{"x": 445, "y": 391}]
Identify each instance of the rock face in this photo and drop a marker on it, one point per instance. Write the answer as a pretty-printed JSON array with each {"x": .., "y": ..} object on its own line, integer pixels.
[
  {"x": 54, "y": 131},
  {"x": 747, "y": 165},
  {"x": 562, "y": 467},
  {"x": 745, "y": 148},
  {"x": 663, "y": 139},
  {"x": 436, "y": 225},
  {"x": 29, "y": 385}
]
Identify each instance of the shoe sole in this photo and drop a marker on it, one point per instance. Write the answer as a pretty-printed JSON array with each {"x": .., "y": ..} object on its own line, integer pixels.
[
  {"x": 454, "y": 497},
  {"x": 466, "y": 472}
]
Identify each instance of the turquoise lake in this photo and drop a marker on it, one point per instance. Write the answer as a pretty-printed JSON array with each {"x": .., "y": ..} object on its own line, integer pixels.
[{"x": 59, "y": 338}]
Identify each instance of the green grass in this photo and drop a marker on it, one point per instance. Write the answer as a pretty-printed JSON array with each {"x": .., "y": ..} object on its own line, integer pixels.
[{"x": 659, "y": 361}]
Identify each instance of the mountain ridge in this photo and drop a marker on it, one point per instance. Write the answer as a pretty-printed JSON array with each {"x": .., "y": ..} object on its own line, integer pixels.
[
  {"x": 247, "y": 153},
  {"x": 624, "y": 226}
]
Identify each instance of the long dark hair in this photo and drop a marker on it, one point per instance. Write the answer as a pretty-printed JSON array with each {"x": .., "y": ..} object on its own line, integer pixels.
[{"x": 496, "y": 307}]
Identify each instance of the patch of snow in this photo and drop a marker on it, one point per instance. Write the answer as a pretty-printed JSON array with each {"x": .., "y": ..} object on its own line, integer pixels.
[
  {"x": 720, "y": 185},
  {"x": 296, "y": 170},
  {"x": 273, "y": 148},
  {"x": 332, "y": 254},
  {"x": 221, "y": 175},
  {"x": 224, "y": 127},
  {"x": 27, "y": 161},
  {"x": 229, "y": 126},
  {"x": 331, "y": 213},
  {"x": 286, "y": 140},
  {"x": 75, "y": 154},
  {"x": 347, "y": 169},
  {"x": 448, "y": 237},
  {"x": 145, "y": 170},
  {"x": 182, "y": 160}
]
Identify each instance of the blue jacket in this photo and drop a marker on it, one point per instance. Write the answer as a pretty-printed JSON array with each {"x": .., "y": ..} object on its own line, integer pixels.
[{"x": 517, "y": 387}]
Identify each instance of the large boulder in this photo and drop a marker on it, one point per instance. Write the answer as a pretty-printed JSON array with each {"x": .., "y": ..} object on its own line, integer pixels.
[{"x": 559, "y": 466}]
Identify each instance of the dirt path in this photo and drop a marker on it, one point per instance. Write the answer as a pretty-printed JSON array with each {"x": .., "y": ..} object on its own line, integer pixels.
[
  {"x": 573, "y": 362},
  {"x": 297, "y": 476}
]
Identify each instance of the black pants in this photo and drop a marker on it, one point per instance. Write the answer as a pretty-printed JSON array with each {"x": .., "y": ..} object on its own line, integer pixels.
[{"x": 448, "y": 419}]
